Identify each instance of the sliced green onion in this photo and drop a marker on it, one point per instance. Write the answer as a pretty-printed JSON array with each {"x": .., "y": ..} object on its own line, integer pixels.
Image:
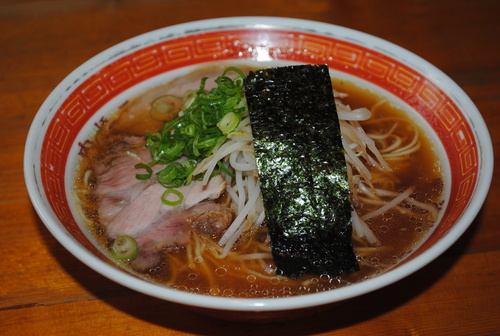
[
  {"x": 124, "y": 248},
  {"x": 203, "y": 119},
  {"x": 229, "y": 122},
  {"x": 210, "y": 142},
  {"x": 144, "y": 176},
  {"x": 175, "y": 192},
  {"x": 174, "y": 151},
  {"x": 173, "y": 184},
  {"x": 169, "y": 174},
  {"x": 224, "y": 169},
  {"x": 240, "y": 73},
  {"x": 165, "y": 108},
  {"x": 190, "y": 130}
]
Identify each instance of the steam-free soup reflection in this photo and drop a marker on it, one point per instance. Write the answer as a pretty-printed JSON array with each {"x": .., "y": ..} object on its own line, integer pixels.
[{"x": 205, "y": 244}]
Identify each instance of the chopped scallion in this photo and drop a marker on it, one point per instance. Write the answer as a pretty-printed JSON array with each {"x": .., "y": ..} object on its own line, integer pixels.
[
  {"x": 229, "y": 122},
  {"x": 165, "y": 108},
  {"x": 124, "y": 248},
  {"x": 207, "y": 117},
  {"x": 148, "y": 174},
  {"x": 176, "y": 193}
]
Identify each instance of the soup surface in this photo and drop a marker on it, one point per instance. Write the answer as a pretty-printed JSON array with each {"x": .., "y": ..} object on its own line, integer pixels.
[{"x": 199, "y": 265}]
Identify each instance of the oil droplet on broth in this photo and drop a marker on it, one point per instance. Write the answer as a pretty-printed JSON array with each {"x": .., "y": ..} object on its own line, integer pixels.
[
  {"x": 228, "y": 292},
  {"x": 383, "y": 228},
  {"x": 251, "y": 278},
  {"x": 220, "y": 271},
  {"x": 214, "y": 291},
  {"x": 275, "y": 280},
  {"x": 324, "y": 277}
]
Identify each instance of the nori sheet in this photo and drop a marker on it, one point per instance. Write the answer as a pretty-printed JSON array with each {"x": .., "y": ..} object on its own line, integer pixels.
[{"x": 302, "y": 169}]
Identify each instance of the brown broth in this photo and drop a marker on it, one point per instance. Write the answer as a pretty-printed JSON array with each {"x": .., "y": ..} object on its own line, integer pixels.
[{"x": 207, "y": 274}]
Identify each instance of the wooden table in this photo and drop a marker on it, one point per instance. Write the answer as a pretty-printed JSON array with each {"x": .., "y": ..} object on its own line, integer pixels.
[{"x": 44, "y": 290}]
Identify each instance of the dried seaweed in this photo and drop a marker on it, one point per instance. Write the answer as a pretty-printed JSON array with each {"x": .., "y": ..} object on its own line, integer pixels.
[{"x": 302, "y": 169}]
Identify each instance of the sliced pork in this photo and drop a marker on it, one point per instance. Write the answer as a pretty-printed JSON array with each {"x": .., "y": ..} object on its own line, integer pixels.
[
  {"x": 173, "y": 229},
  {"x": 128, "y": 206}
]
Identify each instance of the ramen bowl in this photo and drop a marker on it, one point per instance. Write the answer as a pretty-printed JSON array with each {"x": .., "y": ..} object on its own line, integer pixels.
[{"x": 70, "y": 114}]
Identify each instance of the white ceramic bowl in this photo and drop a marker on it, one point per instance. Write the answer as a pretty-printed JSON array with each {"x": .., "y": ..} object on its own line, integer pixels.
[{"x": 67, "y": 117}]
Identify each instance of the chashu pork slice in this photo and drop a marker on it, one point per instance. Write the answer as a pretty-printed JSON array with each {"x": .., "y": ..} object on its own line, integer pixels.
[{"x": 132, "y": 207}]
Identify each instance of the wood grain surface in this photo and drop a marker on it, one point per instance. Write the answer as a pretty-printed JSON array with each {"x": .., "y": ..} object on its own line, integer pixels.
[{"x": 44, "y": 290}]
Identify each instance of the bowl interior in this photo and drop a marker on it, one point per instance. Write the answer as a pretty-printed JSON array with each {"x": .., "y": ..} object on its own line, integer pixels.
[{"x": 72, "y": 113}]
